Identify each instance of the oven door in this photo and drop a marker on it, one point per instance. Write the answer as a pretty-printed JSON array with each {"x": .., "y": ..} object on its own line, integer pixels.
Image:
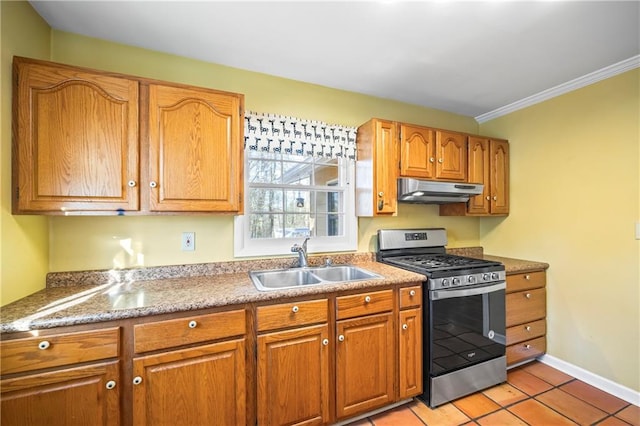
[{"x": 467, "y": 327}]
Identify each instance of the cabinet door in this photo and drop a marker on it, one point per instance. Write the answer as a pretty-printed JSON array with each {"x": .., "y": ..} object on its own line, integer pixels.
[
  {"x": 195, "y": 150},
  {"x": 451, "y": 154},
  {"x": 410, "y": 353},
  {"x": 81, "y": 396},
  {"x": 76, "y": 140},
  {"x": 417, "y": 151},
  {"x": 203, "y": 385},
  {"x": 499, "y": 177},
  {"x": 365, "y": 362},
  {"x": 293, "y": 376},
  {"x": 386, "y": 163},
  {"x": 479, "y": 173}
]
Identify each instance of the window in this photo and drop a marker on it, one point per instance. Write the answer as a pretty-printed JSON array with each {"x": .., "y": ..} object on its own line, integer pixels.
[{"x": 296, "y": 189}]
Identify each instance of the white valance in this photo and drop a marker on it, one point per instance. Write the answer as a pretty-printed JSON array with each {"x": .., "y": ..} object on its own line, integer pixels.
[{"x": 288, "y": 135}]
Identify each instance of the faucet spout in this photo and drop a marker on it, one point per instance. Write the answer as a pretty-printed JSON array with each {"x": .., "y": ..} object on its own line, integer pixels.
[{"x": 302, "y": 253}]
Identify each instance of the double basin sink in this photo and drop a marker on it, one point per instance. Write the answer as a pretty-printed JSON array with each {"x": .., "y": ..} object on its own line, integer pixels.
[{"x": 297, "y": 277}]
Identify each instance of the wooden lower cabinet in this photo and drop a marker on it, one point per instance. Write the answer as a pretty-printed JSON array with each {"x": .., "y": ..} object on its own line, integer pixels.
[
  {"x": 201, "y": 385},
  {"x": 365, "y": 362},
  {"x": 80, "y": 396},
  {"x": 293, "y": 376},
  {"x": 526, "y": 308},
  {"x": 410, "y": 353}
]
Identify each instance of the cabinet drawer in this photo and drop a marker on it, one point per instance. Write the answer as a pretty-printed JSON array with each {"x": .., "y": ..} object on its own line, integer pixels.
[
  {"x": 526, "y": 306},
  {"x": 526, "y": 350},
  {"x": 292, "y": 314},
  {"x": 364, "y": 304},
  {"x": 185, "y": 331},
  {"x": 35, "y": 353},
  {"x": 526, "y": 331},
  {"x": 519, "y": 282},
  {"x": 411, "y": 297}
]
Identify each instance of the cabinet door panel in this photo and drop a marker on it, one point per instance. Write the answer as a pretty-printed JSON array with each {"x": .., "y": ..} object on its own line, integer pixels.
[
  {"x": 417, "y": 150},
  {"x": 293, "y": 376},
  {"x": 365, "y": 364},
  {"x": 77, "y": 140},
  {"x": 410, "y": 353},
  {"x": 195, "y": 156},
  {"x": 499, "y": 177},
  {"x": 451, "y": 155},
  {"x": 69, "y": 397},
  {"x": 386, "y": 169},
  {"x": 479, "y": 173},
  {"x": 203, "y": 385}
]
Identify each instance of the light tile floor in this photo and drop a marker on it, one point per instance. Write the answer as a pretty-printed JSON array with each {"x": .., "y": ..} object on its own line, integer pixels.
[{"x": 535, "y": 394}]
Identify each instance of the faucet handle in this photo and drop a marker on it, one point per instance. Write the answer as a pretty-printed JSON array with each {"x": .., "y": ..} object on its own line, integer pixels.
[{"x": 304, "y": 244}]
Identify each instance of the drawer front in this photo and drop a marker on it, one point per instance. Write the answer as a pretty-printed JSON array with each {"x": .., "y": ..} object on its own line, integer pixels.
[
  {"x": 519, "y": 282},
  {"x": 411, "y": 297},
  {"x": 526, "y": 350},
  {"x": 364, "y": 304},
  {"x": 188, "y": 330},
  {"x": 292, "y": 314},
  {"x": 526, "y": 331},
  {"x": 35, "y": 353},
  {"x": 526, "y": 306}
]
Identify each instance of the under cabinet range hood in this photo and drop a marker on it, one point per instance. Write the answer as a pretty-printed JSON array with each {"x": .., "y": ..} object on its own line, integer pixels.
[{"x": 431, "y": 192}]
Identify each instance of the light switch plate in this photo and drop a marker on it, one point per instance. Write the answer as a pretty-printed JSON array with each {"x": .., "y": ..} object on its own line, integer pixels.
[{"x": 188, "y": 241}]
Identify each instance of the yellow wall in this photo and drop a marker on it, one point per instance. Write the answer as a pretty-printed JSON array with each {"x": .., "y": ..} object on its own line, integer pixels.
[
  {"x": 575, "y": 196},
  {"x": 24, "y": 247}
]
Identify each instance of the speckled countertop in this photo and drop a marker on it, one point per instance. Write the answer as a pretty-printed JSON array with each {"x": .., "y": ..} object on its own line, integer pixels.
[{"x": 72, "y": 298}]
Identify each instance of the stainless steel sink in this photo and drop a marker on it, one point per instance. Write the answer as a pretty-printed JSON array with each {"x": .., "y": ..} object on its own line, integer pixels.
[{"x": 297, "y": 277}]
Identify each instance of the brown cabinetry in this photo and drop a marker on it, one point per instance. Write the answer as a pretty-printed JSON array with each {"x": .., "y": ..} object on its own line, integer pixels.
[
  {"x": 526, "y": 312},
  {"x": 61, "y": 379},
  {"x": 488, "y": 164},
  {"x": 410, "y": 342},
  {"x": 377, "y": 169},
  {"x": 78, "y": 146},
  {"x": 293, "y": 363},
  {"x": 186, "y": 384}
]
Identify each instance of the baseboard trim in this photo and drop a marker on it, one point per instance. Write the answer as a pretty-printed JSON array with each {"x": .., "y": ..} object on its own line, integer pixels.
[{"x": 615, "y": 389}]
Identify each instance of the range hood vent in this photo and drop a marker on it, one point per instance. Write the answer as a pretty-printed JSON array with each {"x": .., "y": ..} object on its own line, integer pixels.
[{"x": 431, "y": 192}]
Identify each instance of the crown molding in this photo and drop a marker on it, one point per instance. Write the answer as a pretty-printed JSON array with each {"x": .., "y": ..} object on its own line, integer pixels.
[{"x": 561, "y": 89}]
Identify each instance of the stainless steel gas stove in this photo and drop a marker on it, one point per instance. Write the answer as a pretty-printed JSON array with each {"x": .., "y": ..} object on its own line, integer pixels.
[{"x": 463, "y": 312}]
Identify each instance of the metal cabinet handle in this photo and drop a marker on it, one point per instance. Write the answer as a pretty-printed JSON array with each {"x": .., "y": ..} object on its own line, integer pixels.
[
  {"x": 488, "y": 198},
  {"x": 111, "y": 384},
  {"x": 44, "y": 345},
  {"x": 527, "y": 328},
  {"x": 131, "y": 183},
  {"x": 153, "y": 184},
  {"x": 380, "y": 194},
  {"x": 527, "y": 347},
  {"x": 367, "y": 299},
  {"x": 295, "y": 309},
  {"x": 527, "y": 277},
  {"x": 193, "y": 324},
  {"x": 431, "y": 159},
  {"x": 440, "y": 160},
  {"x": 412, "y": 293},
  {"x": 380, "y": 204},
  {"x": 137, "y": 380},
  {"x": 495, "y": 198},
  {"x": 405, "y": 326},
  {"x": 341, "y": 338},
  {"x": 528, "y": 295},
  {"x": 325, "y": 342}
]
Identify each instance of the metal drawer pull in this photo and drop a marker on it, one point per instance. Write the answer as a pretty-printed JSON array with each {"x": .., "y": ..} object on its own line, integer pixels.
[
  {"x": 341, "y": 338},
  {"x": 528, "y": 295},
  {"x": 527, "y": 328},
  {"x": 405, "y": 326},
  {"x": 44, "y": 345},
  {"x": 367, "y": 299},
  {"x": 527, "y": 347},
  {"x": 295, "y": 309},
  {"x": 412, "y": 293},
  {"x": 153, "y": 184},
  {"x": 111, "y": 384},
  {"x": 527, "y": 277},
  {"x": 131, "y": 183},
  {"x": 137, "y": 380},
  {"x": 193, "y": 324},
  {"x": 325, "y": 342},
  {"x": 440, "y": 160}
]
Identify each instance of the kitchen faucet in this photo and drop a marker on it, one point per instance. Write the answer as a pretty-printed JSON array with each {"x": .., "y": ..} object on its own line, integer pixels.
[{"x": 302, "y": 253}]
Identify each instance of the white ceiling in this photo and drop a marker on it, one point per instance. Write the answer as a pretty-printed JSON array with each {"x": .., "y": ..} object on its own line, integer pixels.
[{"x": 470, "y": 58}]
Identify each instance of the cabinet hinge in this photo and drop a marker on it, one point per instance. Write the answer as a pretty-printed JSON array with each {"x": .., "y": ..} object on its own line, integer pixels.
[{"x": 17, "y": 193}]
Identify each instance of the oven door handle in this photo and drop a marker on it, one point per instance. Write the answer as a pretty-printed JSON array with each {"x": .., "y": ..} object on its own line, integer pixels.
[{"x": 448, "y": 294}]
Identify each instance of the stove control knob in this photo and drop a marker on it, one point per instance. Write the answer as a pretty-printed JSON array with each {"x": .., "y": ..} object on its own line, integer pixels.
[
  {"x": 471, "y": 279},
  {"x": 485, "y": 277},
  {"x": 494, "y": 275},
  {"x": 445, "y": 282},
  {"x": 456, "y": 281}
]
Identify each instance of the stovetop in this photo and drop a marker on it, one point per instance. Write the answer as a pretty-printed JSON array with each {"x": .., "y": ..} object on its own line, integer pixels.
[{"x": 438, "y": 262}]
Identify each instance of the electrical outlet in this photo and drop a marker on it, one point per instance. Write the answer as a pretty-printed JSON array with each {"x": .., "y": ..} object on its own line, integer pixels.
[{"x": 188, "y": 241}]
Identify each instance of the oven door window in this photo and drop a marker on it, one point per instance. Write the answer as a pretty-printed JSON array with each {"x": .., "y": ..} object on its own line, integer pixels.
[{"x": 466, "y": 330}]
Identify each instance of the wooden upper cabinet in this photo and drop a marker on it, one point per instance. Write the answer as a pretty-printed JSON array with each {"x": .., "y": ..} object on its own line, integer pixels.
[
  {"x": 432, "y": 154},
  {"x": 479, "y": 173},
  {"x": 75, "y": 139},
  {"x": 499, "y": 176},
  {"x": 417, "y": 151},
  {"x": 195, "y": 149},
  {"x": 377, "y": 169}
]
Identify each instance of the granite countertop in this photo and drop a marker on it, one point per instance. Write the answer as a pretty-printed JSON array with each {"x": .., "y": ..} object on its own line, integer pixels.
[{"x": 95, "y": 296}]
